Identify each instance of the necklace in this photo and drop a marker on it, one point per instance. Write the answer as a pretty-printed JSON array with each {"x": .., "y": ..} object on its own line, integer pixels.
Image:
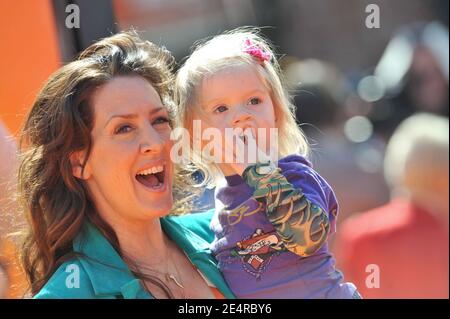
[
  {"x": 166, "y": 275},
  {"x": 172, "y": 276}
]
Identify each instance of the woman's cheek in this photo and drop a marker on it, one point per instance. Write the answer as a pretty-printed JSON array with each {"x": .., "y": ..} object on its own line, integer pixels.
[{"x": 166, "y": 136}]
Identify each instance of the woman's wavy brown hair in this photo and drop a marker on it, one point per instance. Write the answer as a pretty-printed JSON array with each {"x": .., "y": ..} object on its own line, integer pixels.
[{"x": 59, "y": 123}]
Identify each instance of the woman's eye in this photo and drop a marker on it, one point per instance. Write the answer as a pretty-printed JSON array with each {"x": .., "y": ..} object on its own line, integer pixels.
[
  {"x": 160, "y": 120},
  {"x": 123, "y": 129},
  {"x": 221, "y": 109},
  {"x": 254, "y": 101}
]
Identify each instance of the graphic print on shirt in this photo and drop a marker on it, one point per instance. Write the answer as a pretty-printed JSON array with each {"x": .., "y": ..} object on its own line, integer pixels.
[
  {"x": 235, "y": 216},
  {"x": 257, "y": 251}
]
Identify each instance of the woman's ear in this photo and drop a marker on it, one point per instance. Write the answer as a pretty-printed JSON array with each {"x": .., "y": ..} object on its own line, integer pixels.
[{"x": 78, "y": 170}]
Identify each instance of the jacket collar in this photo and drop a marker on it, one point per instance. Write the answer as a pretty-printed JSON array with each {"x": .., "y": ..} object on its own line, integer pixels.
[
  {"x": 198, "y": 251},
  {"x": 109, "y": 274}
]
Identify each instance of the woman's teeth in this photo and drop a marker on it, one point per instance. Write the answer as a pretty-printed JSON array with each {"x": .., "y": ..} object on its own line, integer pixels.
[
  {"x": 152, "y": 170},
  {"x": 152, "y": 177}
]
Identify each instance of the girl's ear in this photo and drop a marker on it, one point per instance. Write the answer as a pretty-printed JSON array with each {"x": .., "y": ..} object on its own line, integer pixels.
[{"x": 76, "y": 161}]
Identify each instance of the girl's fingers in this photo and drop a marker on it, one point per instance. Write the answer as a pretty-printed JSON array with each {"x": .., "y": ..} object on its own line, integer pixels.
[
  {"x": 241, "y": 150},
  {"x": 259, "y": 154}
]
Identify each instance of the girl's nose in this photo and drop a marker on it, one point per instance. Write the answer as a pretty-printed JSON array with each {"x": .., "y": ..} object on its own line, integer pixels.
[{"x": 241, "y": 117}]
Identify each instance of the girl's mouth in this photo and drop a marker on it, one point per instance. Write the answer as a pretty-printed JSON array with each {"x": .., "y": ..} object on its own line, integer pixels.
[
  {"x": 247, "y": 134},
  {"x": 244, "y": 139},
  {"x": 152, "y": 178}
]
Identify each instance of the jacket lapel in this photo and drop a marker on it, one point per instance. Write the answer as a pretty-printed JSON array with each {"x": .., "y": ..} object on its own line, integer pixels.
[
  {"x": 197, "y": 249},
  {"x": 110, "y": 276},
  {"x": 107, "y": 272}
]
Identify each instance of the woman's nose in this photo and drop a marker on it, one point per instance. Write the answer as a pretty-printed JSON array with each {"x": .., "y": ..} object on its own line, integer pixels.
[{"x": 152, "y": 142}]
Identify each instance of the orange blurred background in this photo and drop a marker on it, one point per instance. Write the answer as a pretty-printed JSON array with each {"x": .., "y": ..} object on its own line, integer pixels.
[{"x": 29, "y": 55}]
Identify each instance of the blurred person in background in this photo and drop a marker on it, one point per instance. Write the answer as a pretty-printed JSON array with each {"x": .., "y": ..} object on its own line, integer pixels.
[
  {"x": 4, "y": 282},
  {"x": 407, "y": 239},
  {"x": 411, "y": 76},
  {"x": 322, "y": 95},
  {"x": 8, "y": 152},
  {"x": 12, "y": 282}
]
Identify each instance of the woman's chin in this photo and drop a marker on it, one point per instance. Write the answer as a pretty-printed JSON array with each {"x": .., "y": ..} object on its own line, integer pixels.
[{"x": 157, "y": 207}]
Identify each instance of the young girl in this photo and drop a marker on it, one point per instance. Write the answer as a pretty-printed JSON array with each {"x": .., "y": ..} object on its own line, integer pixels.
[{"x": 272, "y": 218}]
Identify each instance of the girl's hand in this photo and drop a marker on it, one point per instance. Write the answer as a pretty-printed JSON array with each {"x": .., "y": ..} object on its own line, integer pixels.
[{"x": 245, "y": 152}]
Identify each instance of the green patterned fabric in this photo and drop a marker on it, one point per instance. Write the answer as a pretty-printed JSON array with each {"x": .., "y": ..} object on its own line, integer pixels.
[{"x": 302, "y": 225}]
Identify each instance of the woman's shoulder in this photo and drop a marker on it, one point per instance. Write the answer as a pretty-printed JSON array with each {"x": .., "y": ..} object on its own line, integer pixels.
[{"x": 70, "y": 281}]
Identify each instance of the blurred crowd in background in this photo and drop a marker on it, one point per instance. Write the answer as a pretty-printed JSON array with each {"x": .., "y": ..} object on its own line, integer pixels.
[{"x": 373, "y": 103}]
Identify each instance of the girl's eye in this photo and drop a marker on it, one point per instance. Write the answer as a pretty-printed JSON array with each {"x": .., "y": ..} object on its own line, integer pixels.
[
  {"x": 221, "y": 109},
  {"x": 123, "y": 129},
  {"x": 160, "y": 120},
  {"x": 254, "y": 101}
]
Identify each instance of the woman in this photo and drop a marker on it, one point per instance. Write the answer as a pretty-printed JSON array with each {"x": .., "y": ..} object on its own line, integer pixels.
[{"x": 96, "y": 181}]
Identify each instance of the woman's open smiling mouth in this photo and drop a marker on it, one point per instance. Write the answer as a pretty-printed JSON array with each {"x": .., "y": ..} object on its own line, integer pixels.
[{"x": 153, "y": 178}]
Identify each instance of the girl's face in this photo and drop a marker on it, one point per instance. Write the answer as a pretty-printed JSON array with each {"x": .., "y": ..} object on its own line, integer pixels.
[
  {"x": 129, "y": 172},
  {"x": 237, "y": 97}
]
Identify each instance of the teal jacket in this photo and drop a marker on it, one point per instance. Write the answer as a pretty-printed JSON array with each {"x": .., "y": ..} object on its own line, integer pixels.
[{"x": 104, "y": 275}]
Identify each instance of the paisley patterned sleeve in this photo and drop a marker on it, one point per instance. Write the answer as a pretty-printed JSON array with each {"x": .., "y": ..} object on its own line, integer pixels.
[{"x": 303, "y": 224}]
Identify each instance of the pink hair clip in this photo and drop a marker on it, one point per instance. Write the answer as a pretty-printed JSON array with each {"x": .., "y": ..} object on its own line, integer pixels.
[{"x": 256, "y": 51}]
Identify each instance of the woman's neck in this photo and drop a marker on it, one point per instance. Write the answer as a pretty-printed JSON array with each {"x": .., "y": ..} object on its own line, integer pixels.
[{"x": 142, "y": 242}]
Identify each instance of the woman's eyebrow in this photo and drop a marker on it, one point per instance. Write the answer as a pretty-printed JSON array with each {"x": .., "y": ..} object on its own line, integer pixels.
[{"x": 133, "y": 115}]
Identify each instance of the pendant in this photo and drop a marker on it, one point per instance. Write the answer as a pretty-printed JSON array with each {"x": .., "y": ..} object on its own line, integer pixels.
[{"x": 170, "y": 276}]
